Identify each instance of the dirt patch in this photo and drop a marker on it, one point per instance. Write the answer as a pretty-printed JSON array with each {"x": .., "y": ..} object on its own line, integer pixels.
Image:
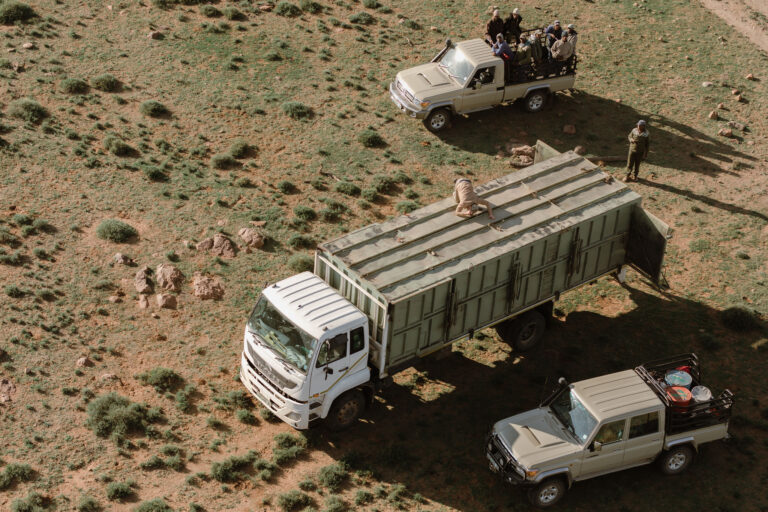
[{"x": 750, "y": 17}]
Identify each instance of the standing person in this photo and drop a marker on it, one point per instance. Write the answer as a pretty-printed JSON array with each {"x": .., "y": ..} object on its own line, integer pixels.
[
  {"x": 573, "y": 36},
  {"x": 464, "y": 194},
  {"x": 512, "y": 27},
  {"x": 553, "y": 33},
  {"x": 538, "y": 51},
  {"x": 639, "y": 142},
  {"x": 562, "y": 50},
  {"x": 494, "y": 26}
]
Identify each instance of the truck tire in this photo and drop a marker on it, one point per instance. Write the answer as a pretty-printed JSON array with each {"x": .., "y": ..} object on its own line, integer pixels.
[
  {"x": 438, "y": 120},
  {"x": 345, "y": 410},
  {"x": 547, "y": 493},
  {"x": 535, "y": 100},
  {"x": 523, "y": 332},
  {"x": 676, "y": 459}
]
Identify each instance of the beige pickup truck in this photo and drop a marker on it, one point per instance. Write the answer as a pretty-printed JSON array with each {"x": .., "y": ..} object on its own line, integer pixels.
[
  {"x": 607, "y": 424},
  {"x": 467, "y": 77}
]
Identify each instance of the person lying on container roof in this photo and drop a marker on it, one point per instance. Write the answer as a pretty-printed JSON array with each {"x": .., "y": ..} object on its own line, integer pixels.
[{"x": 464, "y": 194}]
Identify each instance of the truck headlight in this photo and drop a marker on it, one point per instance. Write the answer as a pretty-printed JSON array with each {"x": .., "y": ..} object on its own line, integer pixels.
[
  {"x": 530, "y": 474},
  {"x": 424, "y": 104}
]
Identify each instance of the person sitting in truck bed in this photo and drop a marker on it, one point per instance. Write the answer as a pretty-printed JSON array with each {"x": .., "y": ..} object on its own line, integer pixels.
[
  {"x": 573, "y": 36},
  {"x": 539, "y": 52},
  {"x": 502, "y": 49},
  {"x": 562, "y": 50},
  {"x": 494, "y": 26},
  {"x": 553, "y": 33},
  {"x": 464, "y": 194},
  {"x": 521, "y": 64}
]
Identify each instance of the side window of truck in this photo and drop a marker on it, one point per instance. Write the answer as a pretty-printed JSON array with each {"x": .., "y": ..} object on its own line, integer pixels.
[
  {"x": 644, "y": 424},
  {"x": 356, "y": 340},
  {"x": 483, "y": 76},
  {"x": 333, "y": 351},
  {"x": 612, "y": 432}
]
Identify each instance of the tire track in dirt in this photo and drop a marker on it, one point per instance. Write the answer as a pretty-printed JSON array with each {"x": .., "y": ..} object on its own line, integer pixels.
[{"x": 750, "y": 17}]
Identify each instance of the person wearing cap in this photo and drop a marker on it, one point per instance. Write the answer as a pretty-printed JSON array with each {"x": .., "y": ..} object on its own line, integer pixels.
[
  {"x": 562, "y": 49},
  {"x": 502, "y": 49},
  {"x": 639, "y": 142},
  {"x": 573, "y": 36},
  {"x": 494, "y": 26},
  {"x": 464, "y": 194},
  {"x": 553, "y": 33},
  {"x": 512, "y": 27}
]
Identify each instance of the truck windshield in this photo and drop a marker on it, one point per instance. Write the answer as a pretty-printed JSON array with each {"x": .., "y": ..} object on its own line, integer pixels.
[
  {"x": 292, "y": 344},
  {"x": 456, "y": 64},
  {"x": 572, "y": 413}
]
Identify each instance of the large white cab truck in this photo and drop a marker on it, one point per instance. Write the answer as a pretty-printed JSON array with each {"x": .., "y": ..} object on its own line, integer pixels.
[
  {"x": 318, "y": 345},
  {"x": 608, "y": 424},
  {"x": 467, "y": 77}
]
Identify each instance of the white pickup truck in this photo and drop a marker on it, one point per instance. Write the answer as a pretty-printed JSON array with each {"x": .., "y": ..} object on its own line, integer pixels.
[
  {"x": 607, "y": 424},
  {"x": 467, "y": 77}
]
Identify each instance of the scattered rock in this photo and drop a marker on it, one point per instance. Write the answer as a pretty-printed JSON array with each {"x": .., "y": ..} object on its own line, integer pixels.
[
  {"x": 166, "y": 300},
  {"x": 737, "y": 126},
  {"x": 219, "y": 245},
  {"x": 18, "y": 66},
  {"x": 251, "y": 237},
  {"x": 266, "y": 7},
  {"x": 721, "y": 106},
  {"x": 750, "y": 76},
  {"x": 155, "y": 315},
  {"x": 580, "y": 150},
  {"x": 740, "y": 98},
  {"x": 169, "y": 277},
  {"x": 433, "y": 28},
  {"x": 520, "y": 161},
  {"x": 524, "y": 150},
  {"x": 156, "y": 34},
  {"x": 735, "y": 92},
  {"x": 84, "y": 362},
  {"x": 688, "y": 57},
  {"x": 143, "y": 302},
  {"x": 114, "y": 299},
  {"x": 108, "y": 378},
  {"x": 143, "y": 281},
  {"x": 7, "y": 389},
  {"x": 725, "y": 132},
  {"x": 122, "y": 259},
  {"x": 713, "y": 115},
  {"x": 206, "y": 287},
  {"x": 569, "y": 129},
  {"x": 707, "y": 84},
  {"x": 29, "y": 46}
]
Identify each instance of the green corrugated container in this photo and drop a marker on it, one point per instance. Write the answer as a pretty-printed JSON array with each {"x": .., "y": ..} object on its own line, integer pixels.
[{"x": 429, "y": 278}]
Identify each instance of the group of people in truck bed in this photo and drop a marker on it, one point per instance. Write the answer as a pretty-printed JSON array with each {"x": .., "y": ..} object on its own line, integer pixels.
[{"x": 529, "y": 51}]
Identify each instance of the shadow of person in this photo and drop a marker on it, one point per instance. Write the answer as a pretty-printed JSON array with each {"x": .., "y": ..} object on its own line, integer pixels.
[{"x": 603, "y": 125}]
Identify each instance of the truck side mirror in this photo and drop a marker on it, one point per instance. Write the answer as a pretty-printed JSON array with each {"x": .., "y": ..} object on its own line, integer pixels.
[
  {"x": 597, "y": 446},
  {"x": 327, "y": 348}
]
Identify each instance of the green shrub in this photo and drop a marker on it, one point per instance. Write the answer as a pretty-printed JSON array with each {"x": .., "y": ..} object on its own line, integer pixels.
[
  {"x": 311, "y": 6},
  {"x": 402, "y": 177},
  {"x": 175, "y": 462},
  {"x": 371, "y": 139},
  {"x": 223, "y": 161},
  {"x": 117, "y": 146},
  {"x": 272, "y": 56},
  {"x": 155, "y": 505},
  {"x": 305, "y": 213},
  {"x": 293, "y": 500},
  {"x": 406, "y": 206},
  {"x": 370, "y": 194},
  {"x": 233, "y": 14},
  {"x": 383, "y": 184},
  {"x": 363, "y": 497},
  {"x": 7, "y": 238},
  {"x": 397, "y": 493},
  {"x": 288, "y": 447},
  {"x": 347, "y": 188},
  {"x": 14, "y": 292},
  {"x": 287, "y": 187},
  {"x": 120, "y": 491},
  {"x": 411, "y": 25},
  {"x": 333, "y": 476},
  {"x": 287, "y": 9},
  {"x": 154, "y": 462},
  {"x": 116, "y": 231},
  {"x": 115, "y": 415},
  {"x": 240, "y": 149},
  {"x": 297, "y": 110},
  {"x": 74, "y": 86},
  {"x": 300, "y": 263},
  {"x": 301, "y": 241},
  {"x": 154, "y": 173},
  {"x": 232, "y": 469},
  {"x": 28, "y": 110},
  {"x": 34, "y": 502},
  {"x": 153, "y": 108},
  {"x": 739, "y": 319},
  {"x": 88, "y": 504},
  {"x": 106, "y": 83},
  {"x": 162, "y": 379},
  {"x": 14, "y": 474},
  {"x": 699, "y": 245},
  {"x": 411, "y": 194},
  {"x": 210, "y": 11},
  {"x": 362, "y": 18},
  {"x": 334, "y": 504},
  {"x": 13, "y": 12},
  {"x": 183, "y": 398},
  {"x": 307, "y": 485},
  {"x": 246, "y": 416}
]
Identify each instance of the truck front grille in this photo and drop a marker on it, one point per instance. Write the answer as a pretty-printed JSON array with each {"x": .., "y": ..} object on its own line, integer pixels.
[
  {"x": 501, "y": 456},
  {"x": 402, "y": 89}
]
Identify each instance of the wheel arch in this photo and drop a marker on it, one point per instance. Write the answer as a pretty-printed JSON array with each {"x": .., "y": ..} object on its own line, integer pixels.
[
  {"x": 690, "y": 441},
  {"x": 563, "y": 473}
]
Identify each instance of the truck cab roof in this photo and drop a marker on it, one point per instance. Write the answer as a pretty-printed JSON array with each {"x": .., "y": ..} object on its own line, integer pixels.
[
  {"x": 478, "y": 52},
  {"x": 617, "y": 395},
  {"x": 312, "y": 305}
]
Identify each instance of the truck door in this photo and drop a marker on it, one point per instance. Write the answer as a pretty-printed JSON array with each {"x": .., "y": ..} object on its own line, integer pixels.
[
  {"x": 484, "y": 90},
  {"x": 645, "y": 439},
  {"x": 606, "y": 451},
  {"x": 331, "y": 365},
  {"x": 647, "y": 243}
]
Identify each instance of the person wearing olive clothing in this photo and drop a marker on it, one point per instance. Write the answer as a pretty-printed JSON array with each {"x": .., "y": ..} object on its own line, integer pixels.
[{"x": 639, "y": 142}]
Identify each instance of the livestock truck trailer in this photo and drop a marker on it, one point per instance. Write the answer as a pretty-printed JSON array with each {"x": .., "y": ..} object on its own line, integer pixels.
[{"x": 318, "y": 345}]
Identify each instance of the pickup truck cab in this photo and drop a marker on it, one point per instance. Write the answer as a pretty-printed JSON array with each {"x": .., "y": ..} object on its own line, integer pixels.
[
  {"x": 467, "y": 77},
  {"x": 606, "y": 424}
]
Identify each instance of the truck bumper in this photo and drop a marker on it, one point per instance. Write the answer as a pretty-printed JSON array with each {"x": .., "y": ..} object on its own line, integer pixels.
[
  {"x": 293, "y": 413},
  {"x": 402, "y": 103}
]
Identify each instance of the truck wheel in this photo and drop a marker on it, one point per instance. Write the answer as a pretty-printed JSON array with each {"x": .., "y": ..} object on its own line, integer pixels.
[
  {"x": 523, "y": 332},
  {"x": 345, "y": 410},
  {"x": 438, "y": 120},
  {"x": 535, "y": 101},
  {"x": 676, "y": 460},
  {"x": 547, "y": 493}
]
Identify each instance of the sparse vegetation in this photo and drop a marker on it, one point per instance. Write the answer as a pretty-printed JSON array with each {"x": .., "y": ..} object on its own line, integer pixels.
[
  {"x": 114, "y": 416},
  {"x": 333, "y": 476},
  {"x": 14, "y": 12},
  {"x": 371, "y": 139},
  {"x": 116, "y": 231},
  {"x": 287, "y": 9},
  {"x": 156, "y": 505},
  {"x": 297, "y": 110},
  {"x": 88, "y": 504},
  {"x": 300, "y": 263},
  {"x": 34, "y": 502},
  {"x": 223, "y": 161},
  {"x": 153, "y": 108},
  {"x": 14, "y": 474},
  {"x": 293, "y": 500},
  {"x": 106, "y": 83},
  {"x": 27, "y": 109},
  {"x": 120, "y": 491},
  {"x": 162, "y": 379},
  {"x": 74, "y": 86},
  {"x": 118, "y": 146},
  {"x": 739, "y": 319}
]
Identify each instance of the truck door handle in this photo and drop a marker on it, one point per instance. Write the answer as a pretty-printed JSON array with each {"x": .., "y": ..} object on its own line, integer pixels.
[
  {"x": 344, "y": 369},
  {"x": 500, "y": 88}
]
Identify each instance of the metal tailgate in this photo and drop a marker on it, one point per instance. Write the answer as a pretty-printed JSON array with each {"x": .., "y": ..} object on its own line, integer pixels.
[{"x": 647, "y": 242}]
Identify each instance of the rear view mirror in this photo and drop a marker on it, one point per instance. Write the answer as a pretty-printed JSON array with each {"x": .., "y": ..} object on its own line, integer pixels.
[{"x": 597, "y": 446}]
